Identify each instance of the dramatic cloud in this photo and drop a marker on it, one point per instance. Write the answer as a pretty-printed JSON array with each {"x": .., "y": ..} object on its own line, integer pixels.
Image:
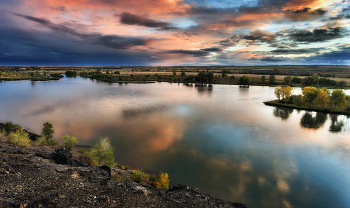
[
  {"x": 110, "y": 41},
  {"x": 134, "y": 19},
  {"x": 176, "y": 32},
  {"x": 317, "y": 35}
]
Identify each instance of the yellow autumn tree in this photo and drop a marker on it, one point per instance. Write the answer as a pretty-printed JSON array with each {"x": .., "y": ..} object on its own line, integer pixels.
[
  {"x": 278, "y": 92},
  {"x": 322, "y": 98},
  {"x": 162, "y": 181},
  {"x": 287, "y": 92},
  {"x": 310, "y": 95}
]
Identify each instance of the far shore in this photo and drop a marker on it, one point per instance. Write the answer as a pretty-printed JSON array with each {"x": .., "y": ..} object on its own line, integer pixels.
[{"x": 316, "y": 109}]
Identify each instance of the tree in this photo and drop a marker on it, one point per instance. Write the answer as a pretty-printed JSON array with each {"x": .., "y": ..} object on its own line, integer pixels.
[
  {"x": 342, "y": 84},
  {"x": 183, "y": 74},
  {"x": 278, "y": 92},
  {"x": 244, "y": 80},
  {"x": 322, "y": 98},
  {"x": 223, "y": 74},
  {"x": 309, "y": 95},
  {"x": 263, "y": 78},
  {"x": 174, "y": 73},
  {"x": 47, "y": 130},
  {"x": 338, "y": 98},
  {"x": 288, "y": 79},
  {"x": 296, "y": 80},
  {"x": 272, "y": 78},
  {"x": 287, "y": 92}
]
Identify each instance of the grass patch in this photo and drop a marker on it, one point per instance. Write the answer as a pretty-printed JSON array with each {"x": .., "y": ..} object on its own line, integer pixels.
[
  {"x": 20, "y": 138},
  {"x": 101, "y": 153},
  {"x": 122, "y": 167}
]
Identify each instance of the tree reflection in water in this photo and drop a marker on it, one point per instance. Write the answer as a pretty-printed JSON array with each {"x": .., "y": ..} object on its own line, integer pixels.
[
  {"x": 283, "y": 113},
  {"x": 308, "y": 121},
  {"x": 336, "y": 126}
]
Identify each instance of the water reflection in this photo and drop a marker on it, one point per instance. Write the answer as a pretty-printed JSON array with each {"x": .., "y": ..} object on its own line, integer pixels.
[
  {"x": 230, "y": 146},
  {"x": 313, "y": 122},
  {"x": 336, "y": 126},
  {"x": 283, "y": 113}
]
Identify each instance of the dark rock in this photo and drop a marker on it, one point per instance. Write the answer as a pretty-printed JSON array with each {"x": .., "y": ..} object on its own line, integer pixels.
[
  {"x": 106, "y": 168},
  {"x": 61, "y": 156},
  {"x": 77, "y": 163}
]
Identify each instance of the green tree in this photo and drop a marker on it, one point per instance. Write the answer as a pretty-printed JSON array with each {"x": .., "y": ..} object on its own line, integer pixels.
[
  {"x": 309, "y": 95},
  {"x": 244, "y": 80},
  {"x": 338, "y": 98},
  {"x": 288, "y": 79},
  {"x": 342, "y": 84},
  {"x": 278, "y": 92},
  {"x": 223, "y": 74},
  {"x": 174, "y": 73},
  {"x": 272, "y": 78},
  {"x": 183, "y": 74},
  {"x": 47, "y": 131},
  {"x": 263, "y": 78}
]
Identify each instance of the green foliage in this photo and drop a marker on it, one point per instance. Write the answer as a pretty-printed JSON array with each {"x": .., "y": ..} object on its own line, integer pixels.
[
  {"x": 244, "y": 80},
  {"x": 20, "y": 138},
  {"x": 11, "y": 125},
  {"x": 338, "y": 98},
  {"x": 297, "y": 80},
  {"x": 272, "y": 78},
  {"x": 232, "y": 77},
  {"x": 174, "y": 73},
  {"x": 116, "y": 72},
  {"x": 47, "y": 130},
  {"x": 122, "y": 167},
  {"x": 204, "y": 77},
  {"x": 101, "y": 153},
  {"x": 69, "y": 142},
  {"x": 312, "y": 80},
  {"x": 342, "y": 84},
  {"x": 40, "y": 141},
  {"x": 288, "y": 80},
  {"x": 263, "y": 78},
  {"x": 138, "y": 175},
  {"x": 2, "y": 134},
  {"x": 183, "y": 74}
]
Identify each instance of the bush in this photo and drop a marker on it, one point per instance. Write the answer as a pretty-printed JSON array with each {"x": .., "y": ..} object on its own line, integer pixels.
[
  {"x": 69, "y": 142},
  {"x": 47, "y": 130},
  {"x": 2, "y": 135},
  {"x": 41, "y": 141},
  {"x": 20, "y": 138},
  {"x": 101, "y": 153},
  {"x": 138, "y": 175},
  {"x": 11, "y": 125},
  {"x": 161, "y": 180}
]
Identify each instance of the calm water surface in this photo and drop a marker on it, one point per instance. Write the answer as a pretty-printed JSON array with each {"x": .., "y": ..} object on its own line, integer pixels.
[{"x": 222, "y": 139}]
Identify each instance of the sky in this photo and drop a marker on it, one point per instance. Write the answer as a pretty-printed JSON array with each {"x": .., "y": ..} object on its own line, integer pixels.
[{"x": 174, "y": 32}]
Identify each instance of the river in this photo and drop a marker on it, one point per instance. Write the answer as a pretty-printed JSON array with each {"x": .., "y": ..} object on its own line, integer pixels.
[{"x": 219, "y": 138}]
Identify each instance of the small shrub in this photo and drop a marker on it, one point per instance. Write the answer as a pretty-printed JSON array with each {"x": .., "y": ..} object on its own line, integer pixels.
[
  {"x": 161, "y": 180},
  {"x": 137, "y": 176},
  {"x": 11, "y": 125},
  {"x": 2, "y": 135},
  {"x": 69, "y": 142},
  {"x": 20, "y": 138},
  {"x": 101, "y": 153},
  {"x": 41, "y": 141}
]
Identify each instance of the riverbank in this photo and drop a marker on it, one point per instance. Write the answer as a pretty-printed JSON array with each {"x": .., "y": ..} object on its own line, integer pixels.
[
  {"x": 316, "y": 109},
  {"x": 53, "y": 177}
]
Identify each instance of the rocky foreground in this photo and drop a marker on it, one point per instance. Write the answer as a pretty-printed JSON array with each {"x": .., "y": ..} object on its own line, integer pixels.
[{"x": 45, "y": 177}]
